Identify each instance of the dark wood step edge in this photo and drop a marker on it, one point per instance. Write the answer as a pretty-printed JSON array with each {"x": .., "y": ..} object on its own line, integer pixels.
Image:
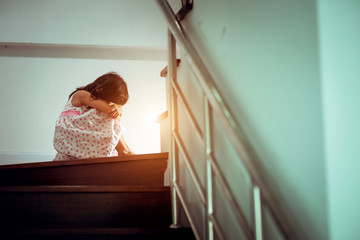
[
  {"x": 94, "y": 231},
  {"x": 83, "y": 189},
  {"x": 122, "y": 158}
]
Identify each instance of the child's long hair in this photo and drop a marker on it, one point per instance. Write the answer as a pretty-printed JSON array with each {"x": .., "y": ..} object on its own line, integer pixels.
[{"x": 109, "y": 87}]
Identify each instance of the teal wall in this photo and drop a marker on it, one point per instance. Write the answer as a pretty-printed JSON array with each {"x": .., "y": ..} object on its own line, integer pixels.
[
  {"x": 339, "y": 30},
  {"x": 264, "y": 57}
]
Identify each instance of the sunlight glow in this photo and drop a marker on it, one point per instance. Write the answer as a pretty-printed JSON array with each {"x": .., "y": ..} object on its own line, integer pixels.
[{"x": 143, "y": 134}]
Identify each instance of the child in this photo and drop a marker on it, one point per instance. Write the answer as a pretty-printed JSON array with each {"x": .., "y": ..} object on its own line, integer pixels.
[{"x": 89, "y": 126}]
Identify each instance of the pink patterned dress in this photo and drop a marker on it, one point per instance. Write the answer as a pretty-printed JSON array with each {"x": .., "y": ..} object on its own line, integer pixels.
[{"x": 82, "y": 132}]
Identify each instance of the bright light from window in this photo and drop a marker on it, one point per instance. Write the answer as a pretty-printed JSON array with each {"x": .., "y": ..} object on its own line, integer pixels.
[
  {"x": 147, "y": 101},
  {"x": 143, "y": 132}
]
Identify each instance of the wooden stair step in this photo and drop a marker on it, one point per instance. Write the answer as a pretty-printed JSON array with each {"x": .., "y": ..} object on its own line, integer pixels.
[
  {"x": 100, "y": 233},
  {"x": 136, "y": 170},
  {"x": 84, "y": 206}
]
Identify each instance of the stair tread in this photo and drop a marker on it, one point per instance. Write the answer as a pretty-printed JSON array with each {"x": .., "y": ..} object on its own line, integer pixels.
[
  {"x": 121, "y": 158},
  {"x": 100, "y": 234},
  {"x": 94, "y": 231},
  {"x": 107, "y": 198},
  {"x": 83, "y": 188},
  {"x": 134, "y": 170}
]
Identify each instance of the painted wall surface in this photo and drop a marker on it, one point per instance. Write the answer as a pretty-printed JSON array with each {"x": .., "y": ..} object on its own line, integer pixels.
[
  {"x": 110, "y": 22},
  {"x": 264, "y": 57},
  {"x": 340, "y": 64},
  {"x": 33, "y": 91}
]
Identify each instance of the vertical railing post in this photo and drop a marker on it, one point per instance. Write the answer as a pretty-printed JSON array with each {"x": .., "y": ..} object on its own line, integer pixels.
[
  {"x": 173, "y": 123},
  {"x": 258, "y": 215},
  {"x": 209, "y": 180}
]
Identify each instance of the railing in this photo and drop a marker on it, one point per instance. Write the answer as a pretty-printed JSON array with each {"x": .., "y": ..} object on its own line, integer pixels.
[{"x": 214, "y": 104}]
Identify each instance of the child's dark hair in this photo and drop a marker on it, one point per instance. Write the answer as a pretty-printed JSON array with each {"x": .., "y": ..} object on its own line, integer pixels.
[{"x": 109, "y": 87}]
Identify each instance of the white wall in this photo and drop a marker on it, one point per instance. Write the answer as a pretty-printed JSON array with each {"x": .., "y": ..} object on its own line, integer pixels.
[
  {"x": 110, "y": 22},
  {"x": 34, "y": 90},
  {"x": 340, "y": 63},
  {"x": 264, "y": 56}
]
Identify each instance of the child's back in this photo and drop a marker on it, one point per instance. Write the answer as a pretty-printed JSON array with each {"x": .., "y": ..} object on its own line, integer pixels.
[
  {"x": 83, "y": 132},
  {"x": 89, "y": 126}
]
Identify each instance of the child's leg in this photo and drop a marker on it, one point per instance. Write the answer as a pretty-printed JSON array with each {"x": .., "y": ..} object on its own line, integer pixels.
[{"x": 123, "y": 148}]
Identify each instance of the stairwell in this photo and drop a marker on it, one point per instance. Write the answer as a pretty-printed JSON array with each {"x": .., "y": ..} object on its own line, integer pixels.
[{"x": 106, "y": 198}]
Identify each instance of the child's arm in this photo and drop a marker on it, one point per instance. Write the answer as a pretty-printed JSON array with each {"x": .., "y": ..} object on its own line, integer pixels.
[{"x": 84, "y": 98}]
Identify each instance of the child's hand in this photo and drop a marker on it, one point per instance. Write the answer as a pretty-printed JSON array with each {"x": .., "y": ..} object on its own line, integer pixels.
[{"x": 115, "y": 111}]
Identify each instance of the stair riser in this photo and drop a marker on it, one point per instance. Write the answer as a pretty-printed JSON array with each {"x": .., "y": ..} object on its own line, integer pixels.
[
  {"x": 175, "y": 236},
  {"x": 124, "y": 173},
  {"x": 56, "y": 210}
]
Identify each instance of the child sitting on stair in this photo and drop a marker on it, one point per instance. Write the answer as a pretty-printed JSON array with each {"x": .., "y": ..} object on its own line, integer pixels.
[{"x": 89, "y": 126}]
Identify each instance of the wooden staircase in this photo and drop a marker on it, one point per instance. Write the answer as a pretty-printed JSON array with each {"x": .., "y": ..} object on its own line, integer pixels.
[{"x": 106, "y": 198}]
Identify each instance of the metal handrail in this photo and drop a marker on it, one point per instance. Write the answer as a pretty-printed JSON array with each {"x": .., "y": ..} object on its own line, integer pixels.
[
  {"x": 230, "y": 198},
  {"x": 231, "y": 127},
  {"x": 186, "y": 209},
  {"x": 190, "y": 166},
  {"x": 181, "y": 97}
]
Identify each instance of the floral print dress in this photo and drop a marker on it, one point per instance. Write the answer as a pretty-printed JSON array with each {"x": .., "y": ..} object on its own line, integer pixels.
[{"x": 83, "y": 132}]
